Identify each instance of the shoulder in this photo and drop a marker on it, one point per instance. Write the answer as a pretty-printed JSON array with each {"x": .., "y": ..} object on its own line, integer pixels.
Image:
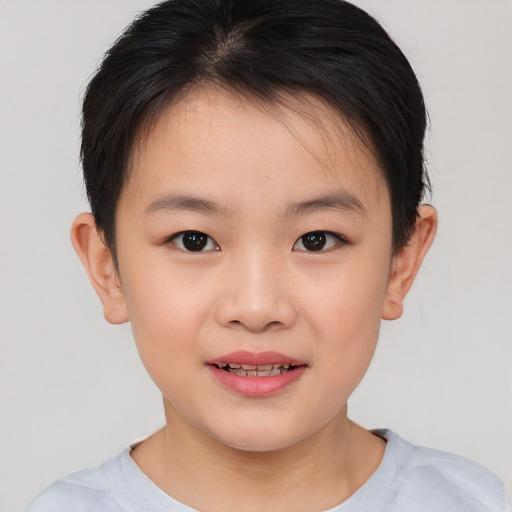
[
  {"x": 63, "y": 497},
  {"x": 441, "y": 479},
  {"x": 85, "y": 491}
]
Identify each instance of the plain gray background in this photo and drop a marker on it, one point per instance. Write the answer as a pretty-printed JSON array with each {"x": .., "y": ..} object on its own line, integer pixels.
[{"x": 73, "y": 392}]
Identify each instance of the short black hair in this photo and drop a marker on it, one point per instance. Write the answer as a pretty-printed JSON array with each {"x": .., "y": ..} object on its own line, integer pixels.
[{"x": 330, "y": 49}]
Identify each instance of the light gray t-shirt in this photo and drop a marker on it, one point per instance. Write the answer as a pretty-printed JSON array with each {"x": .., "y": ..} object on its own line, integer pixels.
[{"x": 409, "y": 479}]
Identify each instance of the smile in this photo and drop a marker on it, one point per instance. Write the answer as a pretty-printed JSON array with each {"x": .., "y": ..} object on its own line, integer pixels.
[
  {"x": 251, "y": 370},
  {"x": 256, "y": 374}
]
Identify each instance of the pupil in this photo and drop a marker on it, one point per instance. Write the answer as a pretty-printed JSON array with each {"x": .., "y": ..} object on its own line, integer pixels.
[
  {"x": 194, "y": 240},
  {"x": 314, "y": 241}
]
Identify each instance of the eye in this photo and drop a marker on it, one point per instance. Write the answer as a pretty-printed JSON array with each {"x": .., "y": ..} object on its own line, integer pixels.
[
  {"x": 194, "y": 241},
  {"x": 316, "y": 241}
]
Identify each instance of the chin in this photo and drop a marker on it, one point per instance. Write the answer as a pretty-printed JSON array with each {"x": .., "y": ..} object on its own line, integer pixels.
[
  {"x": 260, "y": 445},
  {"x": 263, "y": 437}
]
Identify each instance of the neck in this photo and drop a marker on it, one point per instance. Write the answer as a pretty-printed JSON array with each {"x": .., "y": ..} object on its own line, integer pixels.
[{"x": 317, "y": 473}]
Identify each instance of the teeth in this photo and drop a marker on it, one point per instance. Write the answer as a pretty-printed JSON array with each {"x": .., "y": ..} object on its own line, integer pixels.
[
  {"x": 259, "y": 367},
  {"x": 260, "y": 370},
  {"x": 263, "y": 370}
]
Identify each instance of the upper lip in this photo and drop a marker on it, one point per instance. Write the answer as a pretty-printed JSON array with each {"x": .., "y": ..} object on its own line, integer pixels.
[{"x": 256, "y": 358}]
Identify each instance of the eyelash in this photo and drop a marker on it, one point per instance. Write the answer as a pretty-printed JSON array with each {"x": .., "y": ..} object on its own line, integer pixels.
[
  {"x": 200, "y": 237},
  {"x": 323, "y": 237},
  {"x": 205, "y": 243}
]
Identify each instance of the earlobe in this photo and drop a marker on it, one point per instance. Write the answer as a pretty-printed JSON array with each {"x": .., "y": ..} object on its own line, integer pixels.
[
  {"x": 408, "y": 261},
  {"x": 97, "y": 260}
]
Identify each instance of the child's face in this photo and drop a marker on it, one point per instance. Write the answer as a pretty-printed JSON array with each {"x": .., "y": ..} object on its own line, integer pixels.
[{"x": 255, "y": 184}]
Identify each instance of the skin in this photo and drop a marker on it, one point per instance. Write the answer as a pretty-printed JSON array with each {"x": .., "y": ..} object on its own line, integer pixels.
[{"x": 256, "y": 287}]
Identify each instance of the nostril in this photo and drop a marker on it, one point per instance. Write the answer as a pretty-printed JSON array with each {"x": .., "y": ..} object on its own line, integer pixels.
[
  {"x": 275, "y": 325},
  {"x": 256, "y": 315},
  {"x": 254, "y": 325}
]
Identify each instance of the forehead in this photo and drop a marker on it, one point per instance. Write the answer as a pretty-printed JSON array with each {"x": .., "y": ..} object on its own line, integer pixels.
[{"x": 214, "y": 138}]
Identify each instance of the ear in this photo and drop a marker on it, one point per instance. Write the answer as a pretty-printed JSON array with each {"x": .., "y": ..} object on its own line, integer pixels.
[
  {"x": 97, "y": 260},
  {"x": 408, "y": 261}
]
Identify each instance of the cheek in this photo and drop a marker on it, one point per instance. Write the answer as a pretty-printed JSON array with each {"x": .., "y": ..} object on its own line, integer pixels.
[
  {"x": 166, "y": 315},
  {"x": 349, "y": 298},
  {"x": 347, "y": 321},
  {"x": 160, "y": 294}
]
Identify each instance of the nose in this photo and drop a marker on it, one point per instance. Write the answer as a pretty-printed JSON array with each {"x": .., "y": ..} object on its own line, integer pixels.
[{"x": 256, "y": 294}]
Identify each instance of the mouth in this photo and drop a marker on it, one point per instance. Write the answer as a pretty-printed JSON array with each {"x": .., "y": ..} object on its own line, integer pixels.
[
  {"x": 259, "y": 370},
  {"x": 256, "y": 374}
]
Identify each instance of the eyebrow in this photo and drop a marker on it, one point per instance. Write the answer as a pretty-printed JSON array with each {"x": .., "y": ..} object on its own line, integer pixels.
[
  {"x": 344, "y": 202},
  {"x": 180, "y": 202}
]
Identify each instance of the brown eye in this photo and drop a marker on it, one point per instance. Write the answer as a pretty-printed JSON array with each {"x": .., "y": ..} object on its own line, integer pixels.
[
  {"x": 194, "y": 241},
  {"x": 315, "y": 241}
]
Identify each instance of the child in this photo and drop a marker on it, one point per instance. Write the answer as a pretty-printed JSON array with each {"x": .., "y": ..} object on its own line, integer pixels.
[{"x": 255, "y": 174}]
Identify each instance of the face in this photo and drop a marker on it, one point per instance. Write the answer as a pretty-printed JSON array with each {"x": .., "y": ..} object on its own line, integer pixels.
[{"x": 256, "y": 238}]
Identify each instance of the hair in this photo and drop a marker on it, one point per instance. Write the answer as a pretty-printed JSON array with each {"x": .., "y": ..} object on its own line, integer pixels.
[{"x": 262, "y": 49}]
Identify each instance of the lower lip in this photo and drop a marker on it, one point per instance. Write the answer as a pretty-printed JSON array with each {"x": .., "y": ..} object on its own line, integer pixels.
[{"x": 256, "y": 386}]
